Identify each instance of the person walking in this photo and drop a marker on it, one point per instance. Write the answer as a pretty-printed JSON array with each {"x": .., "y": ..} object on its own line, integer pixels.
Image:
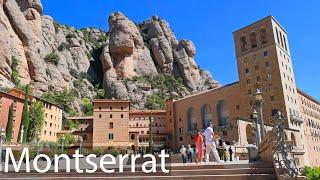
[
  {"x": 183, "y": 154},
  {"x": 210, "y": 144}
]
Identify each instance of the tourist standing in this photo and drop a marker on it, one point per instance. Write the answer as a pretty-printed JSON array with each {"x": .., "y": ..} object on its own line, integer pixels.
[
  {"x": 230, "y": 153},
  {"x": 199, "y": 147},
  {"x": 210, "y": 144},
  {"x": 183, "y": 153},
  {"x": 190, "y": 153}
]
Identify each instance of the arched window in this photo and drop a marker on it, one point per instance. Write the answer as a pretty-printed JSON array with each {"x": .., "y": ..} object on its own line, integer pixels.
[
  {"x": 206, "y": 115},
  {"x": 223, "y": 113},
  {"x": 191, "y": 119}
]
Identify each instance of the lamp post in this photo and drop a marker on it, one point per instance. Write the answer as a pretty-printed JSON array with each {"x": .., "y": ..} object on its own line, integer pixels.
[
  {"x": 255, "y": 117},
  {"x": 259, "y": 104},
  {"x": 38, "y": 141},
  {"x": 21, "y": 134},
  {"x": 80, "y": 140},
  {"x": 2, "y": 137},
  {"x": 62, "y": 141}
]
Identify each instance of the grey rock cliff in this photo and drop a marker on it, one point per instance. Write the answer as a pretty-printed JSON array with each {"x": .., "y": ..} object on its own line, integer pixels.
[{"x": 54, "y": 57}]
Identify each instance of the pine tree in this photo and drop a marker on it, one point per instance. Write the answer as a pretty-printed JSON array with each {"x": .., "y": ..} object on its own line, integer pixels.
[
  {"x": 25, "y": 115},
  {"x": 9, "y": 124}
]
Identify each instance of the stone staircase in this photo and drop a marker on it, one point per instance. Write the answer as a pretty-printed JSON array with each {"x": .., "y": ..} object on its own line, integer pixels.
[{"x": 230, "y": 170}]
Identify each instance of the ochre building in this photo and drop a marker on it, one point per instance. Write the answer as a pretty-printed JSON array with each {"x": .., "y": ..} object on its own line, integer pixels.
[
  {"x": 52, "y": 119},
  {"x": 264, "y": 64}
]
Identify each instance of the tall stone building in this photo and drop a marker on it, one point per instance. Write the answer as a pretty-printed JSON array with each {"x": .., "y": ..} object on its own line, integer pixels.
[
  {"x": 264, "y": 64},
  {"x": 115, "y": 125}
]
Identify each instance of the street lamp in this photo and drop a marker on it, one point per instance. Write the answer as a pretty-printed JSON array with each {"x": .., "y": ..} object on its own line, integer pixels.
[
  {"x": 259, "y": 104},
  {"x": 255, "y": 117},
  {"x": 38, "y": 141},
  {"x": 62, "y": 141},
  {"x": 80, "y": 140},
  {"x": 2, "y": 137}
]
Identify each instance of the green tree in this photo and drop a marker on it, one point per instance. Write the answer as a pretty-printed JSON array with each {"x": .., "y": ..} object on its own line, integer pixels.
[
  {"x": 36, "y": 118},
  {"x": 68, "y": 140},
  {"x": 9, "y": 124},
  {"x": 25, "y": 115},
  {"x": 14, "y": 75},
  {"x": 86, "y": 107}
]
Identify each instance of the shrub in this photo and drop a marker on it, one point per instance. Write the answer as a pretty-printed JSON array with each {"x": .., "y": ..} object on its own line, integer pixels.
[
  {"x": 48, "y": 72},
  {"x": 114, "y": 152},
  {"x": 312, "y": 173},
  {"x": 74, "y": 73},
  {"x": 14, "y": 75},
  {"x": 71, "y": 35},
  {"x": 98, "y": 151},
  {"x": 64, "y": 46},
  {"x": 52, "y": 58}
]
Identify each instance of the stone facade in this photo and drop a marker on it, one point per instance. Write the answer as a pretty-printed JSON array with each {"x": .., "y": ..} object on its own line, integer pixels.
[
  {"x": 113, "y": 124},
  {"x": 52, "y": 119},
  {"x": 310, "y": 110},
  {"x": 264, "y": 63}
]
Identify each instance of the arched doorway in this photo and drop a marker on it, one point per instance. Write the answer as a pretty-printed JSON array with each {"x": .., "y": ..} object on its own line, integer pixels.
[{"x": 206, "y": 115}]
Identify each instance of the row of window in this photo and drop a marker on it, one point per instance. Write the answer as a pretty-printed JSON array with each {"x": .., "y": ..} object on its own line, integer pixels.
[
  {"x": 145, "y": 125},
  {"x": 110, "y": 108},
  {"x": 255, "y": 57},
  {"x": 253, "y": 39},
  {"x": 51, "y": 124},
  {"x": 146, "y": 118},
  {"x": 52, "y": 117},
  {"x": 281, "y": 39},
  {"x": 111, "y": 116},
  {"x": 313, "y": 124},
  {"x": 155, "y": 139},
  {"x": 311, "y": 113},
  {"x": 50, "y": 133},
  {"x": 310, "y": 104}
]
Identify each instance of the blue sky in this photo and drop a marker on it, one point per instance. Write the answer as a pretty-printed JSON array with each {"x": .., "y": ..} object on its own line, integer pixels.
[{"x": 209, "y": 24}]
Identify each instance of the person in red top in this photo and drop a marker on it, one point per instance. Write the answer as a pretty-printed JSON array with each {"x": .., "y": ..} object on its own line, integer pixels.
[{"x": 199, "y": 147}]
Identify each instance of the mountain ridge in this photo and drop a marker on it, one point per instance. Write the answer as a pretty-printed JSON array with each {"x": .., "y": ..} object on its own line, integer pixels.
[{"x": 124, "y": 61}]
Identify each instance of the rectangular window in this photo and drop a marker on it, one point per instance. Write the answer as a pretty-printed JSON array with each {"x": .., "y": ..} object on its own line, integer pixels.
[
  {"x": 110, "y": 136},
  {"x": 277, "y": 32},
  {"x": 267, "y": 64},
  {"x": 272, "y": 98},
  {"x": 110, "y": 115},
  {"x": 285, "y": 43},
  {"x": 263, "y": 36},
  {"x": 247, "y": 71},
  {"x": 121, "y": 115},
  {"x": 258, "y": 78},
  {"x": 111, "y": 125},
  {"x": 253, "y": 39},
  {"x": 243, "y": 42}
]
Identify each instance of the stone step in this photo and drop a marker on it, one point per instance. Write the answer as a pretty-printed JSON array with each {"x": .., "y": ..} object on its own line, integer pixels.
[{"x": 149, "y": 177}]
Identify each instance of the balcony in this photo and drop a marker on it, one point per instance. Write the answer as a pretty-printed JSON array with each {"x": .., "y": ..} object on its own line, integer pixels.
[{"x": 296, "y": 119}]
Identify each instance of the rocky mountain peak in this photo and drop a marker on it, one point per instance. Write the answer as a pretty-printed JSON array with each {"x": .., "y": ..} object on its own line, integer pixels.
[{"x": 125, "y": 61}]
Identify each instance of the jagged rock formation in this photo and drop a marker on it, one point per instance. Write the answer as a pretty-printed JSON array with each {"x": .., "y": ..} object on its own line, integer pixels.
[{"x": 35, "y": 49}]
